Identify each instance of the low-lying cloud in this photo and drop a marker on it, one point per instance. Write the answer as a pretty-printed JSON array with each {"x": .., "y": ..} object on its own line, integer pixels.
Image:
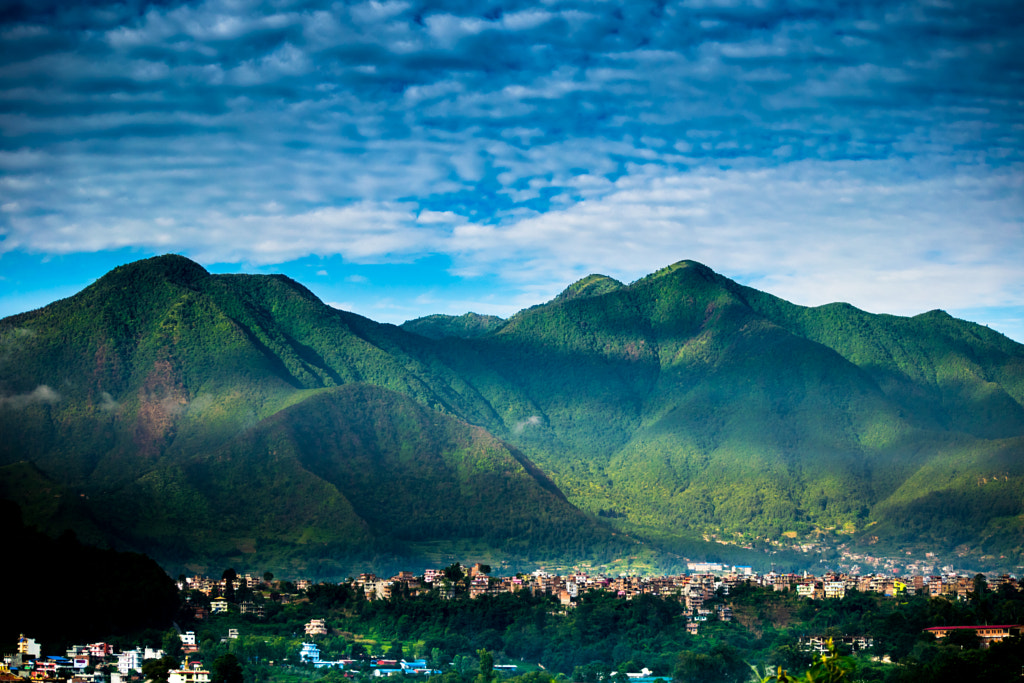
[
  {"x": 41, "y": 394},
  {"x": 532, "y": 421}
]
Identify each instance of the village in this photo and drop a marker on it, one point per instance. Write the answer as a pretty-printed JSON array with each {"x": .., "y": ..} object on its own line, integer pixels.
[{"x": 695, "y": 591}]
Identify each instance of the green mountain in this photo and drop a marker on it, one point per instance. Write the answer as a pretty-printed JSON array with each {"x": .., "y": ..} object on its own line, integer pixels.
[
  {"x": 211, "y": 419},
  {"x": 277, "y": 430},
  {"x": 467, "y": 326}
]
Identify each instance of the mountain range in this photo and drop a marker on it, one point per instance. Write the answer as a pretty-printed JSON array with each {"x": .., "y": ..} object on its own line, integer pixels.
[{"x": 209, "y": 419}]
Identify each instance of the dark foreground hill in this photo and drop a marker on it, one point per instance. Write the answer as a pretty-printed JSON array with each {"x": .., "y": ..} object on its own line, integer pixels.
[
  {"x": 62, "y": 592},
  {"x": 228, "y": 417}
]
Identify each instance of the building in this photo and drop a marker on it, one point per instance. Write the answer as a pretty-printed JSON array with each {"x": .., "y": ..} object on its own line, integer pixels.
[
  {"x": 316, "y": 627},
  {"x": 128, "y": 661},
  {"x": 193, "y": 672},
  {"x": 28, "y": 647},
  {"x": 986, "y": 634},
  {"x": 188, "y": 642},
  {"x": 309, "y": 654}
]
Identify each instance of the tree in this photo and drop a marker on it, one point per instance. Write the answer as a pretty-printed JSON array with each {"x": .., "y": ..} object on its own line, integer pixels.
[
  {"x": 226, "y": 669},
  {"x": 157, "y": 670},
  {"x": 229, "y": 577},
  {"x": 486, "y": 666},
  {"x": 963, "y": 639},
  {"x": 723, "y": 663},
  {"x": 831, "y": 668},
  {"x": 171, "y": 644}
]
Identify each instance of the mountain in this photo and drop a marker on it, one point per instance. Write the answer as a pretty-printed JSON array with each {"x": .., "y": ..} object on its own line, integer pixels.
[
  {"x": 685, "y": 403},
  {"x": 466, "y": 326},
  {"x": 679, "y": 407},
  {"x": 213, "y": 419}
]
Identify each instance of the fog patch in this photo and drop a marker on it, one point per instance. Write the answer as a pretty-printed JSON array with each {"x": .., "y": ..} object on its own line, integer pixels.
[
  {"x": 173, "y": 406},
  {"x": 531, "y": 421},
  {"x": 200, "y": 403},
  {"x": 107, "y": 403},
  {"x": 41, "y": 394}
]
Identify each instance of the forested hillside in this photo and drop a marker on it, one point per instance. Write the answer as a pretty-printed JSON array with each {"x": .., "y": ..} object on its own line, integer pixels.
[{"x": 680, "y": 407}]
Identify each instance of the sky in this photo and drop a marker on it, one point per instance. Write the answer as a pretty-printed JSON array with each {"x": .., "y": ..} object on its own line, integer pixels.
[{"x": 403, "y": 158}]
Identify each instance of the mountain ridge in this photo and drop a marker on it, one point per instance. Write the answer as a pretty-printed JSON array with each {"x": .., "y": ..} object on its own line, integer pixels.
[{"x": 680, "y": 406}]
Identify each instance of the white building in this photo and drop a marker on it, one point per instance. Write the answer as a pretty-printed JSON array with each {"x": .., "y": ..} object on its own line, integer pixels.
[
  {"x": 193, "y": 672},
  {"x": 128, "y": 661},
  {"x": 28, "y": 647},
  {"x": 309, "y": 654}
]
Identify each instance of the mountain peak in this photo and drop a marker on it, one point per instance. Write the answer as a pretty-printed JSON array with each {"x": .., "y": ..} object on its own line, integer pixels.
[
  {"x": 591, "y": 285},
  {"x": 171, "y": 267},
  {"x": 685, "y": 265}
]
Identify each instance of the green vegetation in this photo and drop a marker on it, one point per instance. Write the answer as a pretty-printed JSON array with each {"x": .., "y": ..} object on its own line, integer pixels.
[
  {"x": 465, "y": 638},
  {"x": 467, "y": 326},
  {"x": 682, "y": 407}
]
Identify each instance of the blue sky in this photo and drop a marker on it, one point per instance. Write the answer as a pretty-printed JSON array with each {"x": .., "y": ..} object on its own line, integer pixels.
[{"x": 406, "y": 158}]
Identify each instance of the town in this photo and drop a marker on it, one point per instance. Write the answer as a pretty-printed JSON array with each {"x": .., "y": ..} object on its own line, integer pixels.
[{"x": 698, "y": 594}]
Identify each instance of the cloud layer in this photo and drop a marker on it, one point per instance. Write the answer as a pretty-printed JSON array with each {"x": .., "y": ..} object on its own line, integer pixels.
[{"x": 868, "y": 151}]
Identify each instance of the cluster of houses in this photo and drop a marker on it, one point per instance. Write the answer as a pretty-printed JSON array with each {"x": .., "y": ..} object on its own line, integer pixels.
[
  {"x": 696, "y": 590},
  {"x": 310, "y": 654},
  {"x": 93, "y": 662}
]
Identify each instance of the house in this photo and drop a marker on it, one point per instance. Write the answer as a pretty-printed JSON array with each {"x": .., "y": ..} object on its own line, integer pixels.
[
  {"x": 128, "y": 661},
  {"x": 193, "y": 672},
  {"x": 309, "y": 654},
  {"x": 254, "y": 608},
  {"x": 28, "y": 647},
  {"x": 835, "y": 589},
  {"x": 416, "y": 667},
  {"x": 188, "y": 642},
  {"x": 218, "y": 605},
  {"x": 986, "y": 634},
  {"x": 316, "y": 627},
  {"x": 100, "y": 650}
]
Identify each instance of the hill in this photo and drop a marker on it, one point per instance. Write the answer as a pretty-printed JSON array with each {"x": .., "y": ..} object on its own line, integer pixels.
[
  {"x": 211, "y": 419},
  {"x": 677, "y": 408}
]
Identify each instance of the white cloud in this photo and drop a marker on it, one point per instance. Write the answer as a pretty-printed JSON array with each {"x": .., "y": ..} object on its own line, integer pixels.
[
  {"x": 41, "y": 394},
  {"x": 859, "y": 152}
]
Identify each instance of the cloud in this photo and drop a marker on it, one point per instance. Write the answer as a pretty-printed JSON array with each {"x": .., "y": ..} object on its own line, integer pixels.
[
  {"x": 532, "y": 421},
  {"x": 41, "y": 394},
  {"x": 861, "y": 151},
  {"x": 107, "y": 403}
]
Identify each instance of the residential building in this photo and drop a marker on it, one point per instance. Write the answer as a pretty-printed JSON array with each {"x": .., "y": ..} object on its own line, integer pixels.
[
  {"x": 310, "y": 653},
  {"x": 986, "y": 634},
  {"x": 316, "y": 627}
]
